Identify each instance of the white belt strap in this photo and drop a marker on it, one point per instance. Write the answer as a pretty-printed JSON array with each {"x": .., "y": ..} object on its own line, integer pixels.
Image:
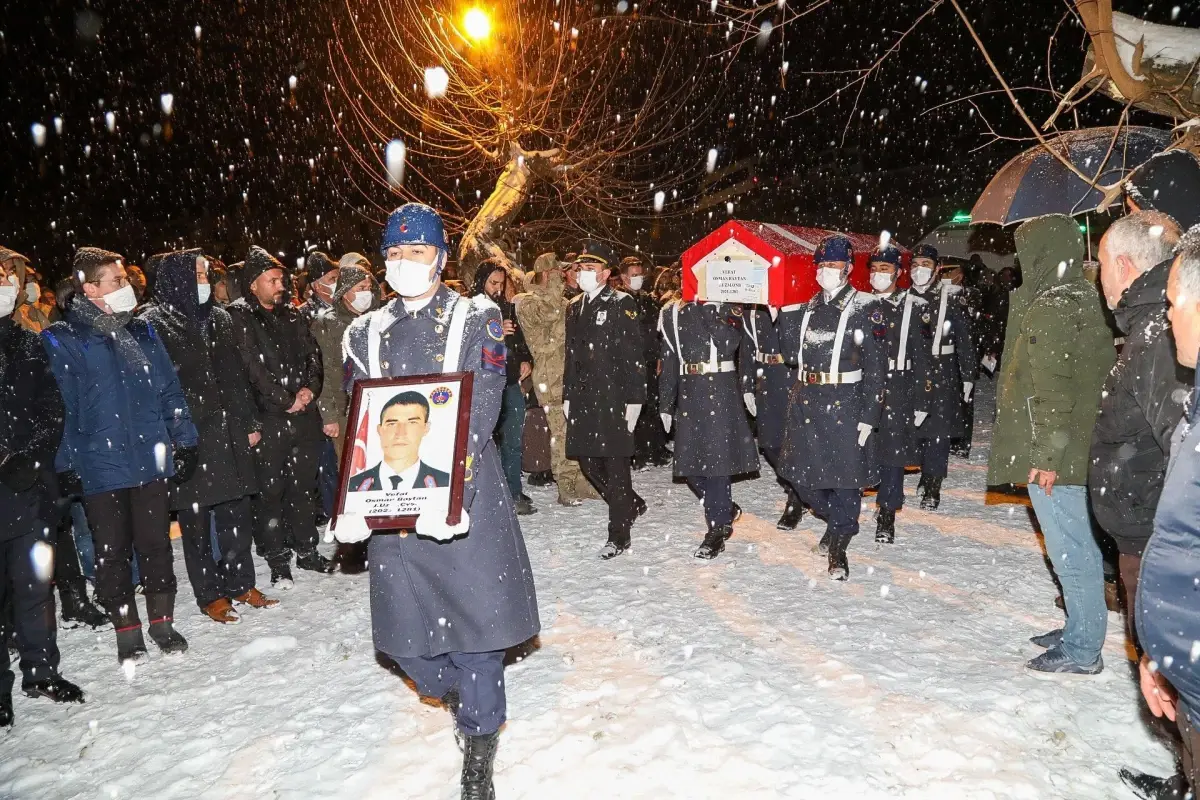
[
  {"x": 902, "y": 356},
  {"x": 712, "y": 347},
  {"x": 947, "y": 350},
  {"x": 454, "y": 339},
  {"x": 836, "y": 358},
  {"x": 803, "y": 333},
  {"x": 941, "y": 321},
  {"x": 754, "y": 332}
]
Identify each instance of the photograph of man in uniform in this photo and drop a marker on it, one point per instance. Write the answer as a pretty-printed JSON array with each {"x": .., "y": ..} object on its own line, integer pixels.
[{"x": 403, "y": 424}]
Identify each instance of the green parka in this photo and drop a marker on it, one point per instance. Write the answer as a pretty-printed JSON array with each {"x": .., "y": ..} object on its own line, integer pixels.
[{"x": 1057, "y": 352}]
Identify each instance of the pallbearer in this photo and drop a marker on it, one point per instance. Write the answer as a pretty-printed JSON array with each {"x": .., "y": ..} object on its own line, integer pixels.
[
  {"x": 699, "y": 392},
  {"x": 837, "y": 400},
  {"x": 948, "y": 340},
  {"x": 904, "y": 409}
]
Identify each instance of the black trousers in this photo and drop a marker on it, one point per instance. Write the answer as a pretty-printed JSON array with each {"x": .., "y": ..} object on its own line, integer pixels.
[
  {"x": 649, "y": 438},
  {"x": 891, "y": 488},
  {"x": 613, "y": 479},
  {"x": 68, "y": 572},
  {"x": 935, "y": 457},
  {"x": 30, "y": 598},
  {"x": 121, "y": 520},
  {"x": 838, "y": 507},
  {"x": 717, "y": 494},
  {"x": 284, "y": 512},
  {"x": 233, "y": 574}
]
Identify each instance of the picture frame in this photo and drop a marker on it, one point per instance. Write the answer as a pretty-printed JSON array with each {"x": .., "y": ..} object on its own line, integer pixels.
[{"x": 410, "y": 432}]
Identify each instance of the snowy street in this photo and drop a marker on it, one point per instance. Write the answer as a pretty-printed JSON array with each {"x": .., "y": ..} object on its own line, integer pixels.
[{"x": 656, "y": 675}]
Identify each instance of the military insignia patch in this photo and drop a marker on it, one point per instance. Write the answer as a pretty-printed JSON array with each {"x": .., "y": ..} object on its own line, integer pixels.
[
  {"x": 603, "y": 315},
  {"x": 495, "y": 330},
  {"x": 926, "y": 318},
  {"x": 430, "y": 482},
  {"x": 441, "y": 395},
  {"x": 631, "y": 314},
  {"x": 495, "y": 357},
  {"x": 877, "y": 317},
  {"x": 880, "y": 331},
  {"x": 736, "y": 311}
]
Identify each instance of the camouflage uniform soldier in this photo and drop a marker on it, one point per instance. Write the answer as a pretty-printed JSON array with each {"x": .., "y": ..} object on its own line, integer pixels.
[{"x": 542, "y": 314}]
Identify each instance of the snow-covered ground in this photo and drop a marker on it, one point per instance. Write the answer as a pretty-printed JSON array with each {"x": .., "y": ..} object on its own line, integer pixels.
[{"x": 656, "y": 675}]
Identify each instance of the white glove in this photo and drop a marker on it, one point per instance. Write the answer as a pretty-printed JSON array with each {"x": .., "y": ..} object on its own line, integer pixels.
[
  {"x": 774, "y": 313},
  {"x": 864, "y": 431},
  {"x": 989, "y": 363},
  {"x": 967, "y": 387},
  {"x": 666, "y": 419},
  {"x": 567, "y": 409},
  {"x": 348, "y": 529},
  {"x": 632, "y": 412},
  {"x": 751, "y": 403},
  {"x": 432, "y": 524},
  {"x": 920, "y": 417}
]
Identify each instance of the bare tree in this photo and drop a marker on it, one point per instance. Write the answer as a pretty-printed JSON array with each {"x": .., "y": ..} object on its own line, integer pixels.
[{"x": 580, "y": 121}]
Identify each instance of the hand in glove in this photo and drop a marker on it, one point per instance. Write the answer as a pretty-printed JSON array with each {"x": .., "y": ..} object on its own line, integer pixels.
[
  {"x": 967, "y": 387},
  {"x": 186, "y": 461},
  {"x": 432, "y": 524},
  {"x": 567, "y": 409},
  {"x": 348, "y": 529},
  {"x": 18, "y": 472},
  {"x": 666, "y": 421},
  {"x": 751, "y": 403},
  {"x": 69, "y": 483},
  {"x": 864, "y": 431},
  {"x": 920, "y": 417},
  {"x": 632, "y": 412}
]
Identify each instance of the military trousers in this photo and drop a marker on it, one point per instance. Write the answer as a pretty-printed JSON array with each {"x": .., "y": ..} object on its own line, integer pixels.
[
  {"x": 838, "y": 507},
  {"x": 717, "y": 494},
  {"x": 935, "y": 457},
  {"x": 890, "y": 496},
  {"x": 479, "y": 679},
  {"x": 613, "y": 478}
]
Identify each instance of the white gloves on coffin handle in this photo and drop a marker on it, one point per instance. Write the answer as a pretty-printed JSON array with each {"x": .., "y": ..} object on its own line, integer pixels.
[
  {"x": 864, "y": 431},
  {"x": 967, "y": 387},
  {"x": 666, "y": 420},
  {"x": 567, "y": 409},
  {"x": 632, "y": 412},
  {"x": 920, "y": 417},
  {"x": 751, "y": 403},
  {"x": 348, "y": 529},
  {"x": 432, "y": 524}
]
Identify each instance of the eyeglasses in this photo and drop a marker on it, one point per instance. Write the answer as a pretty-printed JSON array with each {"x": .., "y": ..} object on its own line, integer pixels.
[{"x": 121, "y": 281}]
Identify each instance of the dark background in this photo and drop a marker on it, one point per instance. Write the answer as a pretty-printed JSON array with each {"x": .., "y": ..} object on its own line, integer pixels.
[{"x": 243, "y": 158}]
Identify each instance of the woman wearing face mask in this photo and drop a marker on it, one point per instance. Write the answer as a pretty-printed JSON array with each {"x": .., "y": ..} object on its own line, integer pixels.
[
  {"x": 198, "y": 335},
  {"x": 837, "y": 400},
  {"x": 128, "y": 431},
  {"x": 947, "y": 335},
  {"x": 474, "y": 578}
]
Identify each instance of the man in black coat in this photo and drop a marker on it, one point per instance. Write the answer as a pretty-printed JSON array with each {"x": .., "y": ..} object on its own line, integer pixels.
[
  {"x": 947, "y": 333},
  {"x": 31, "y": 425},
  {"x": 284, "y": 365},
  {"x": 604, "y": 388},
  {"x": 649, "y": 439},
  {"x": 198, "y": 336},
  {"x": 909, "y": 367},
  {"x": 1144, "y": 394}
]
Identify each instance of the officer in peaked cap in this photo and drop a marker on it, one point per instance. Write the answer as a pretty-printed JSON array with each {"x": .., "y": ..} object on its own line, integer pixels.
[{"x": 838, "y": 397}]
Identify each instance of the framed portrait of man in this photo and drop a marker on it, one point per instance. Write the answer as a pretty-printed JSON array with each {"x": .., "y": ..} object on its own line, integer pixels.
[{"x": 405, "y": 449}]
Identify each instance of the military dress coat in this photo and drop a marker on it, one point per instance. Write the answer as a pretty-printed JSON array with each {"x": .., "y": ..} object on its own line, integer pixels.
[
  {"x": 700, "y": 387},
  {"x": 766, "y": 373},
  {"x": 947, "y": 334},
  {"x": 909, "y": 366},
  {"x": 820, "y": 449},
  {"x": 604, "y": 373},
  {"x": 475, "y": 593}
]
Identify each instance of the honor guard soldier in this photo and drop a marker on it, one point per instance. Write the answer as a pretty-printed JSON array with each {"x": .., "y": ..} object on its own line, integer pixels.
[
  {"x": 604, "y": 389},
  {"x": 474, "y": 578},
  {"x": 699, "y": 388},
  {"x": 767, "y": 379},
  {"x": 908, "y": 365},
  {"x": 837, "y": 400},
  {"x": 948, "y": 339}
]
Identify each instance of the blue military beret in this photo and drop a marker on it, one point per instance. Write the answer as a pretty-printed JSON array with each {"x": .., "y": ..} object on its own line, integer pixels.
[{"x": 834, "y": 247}]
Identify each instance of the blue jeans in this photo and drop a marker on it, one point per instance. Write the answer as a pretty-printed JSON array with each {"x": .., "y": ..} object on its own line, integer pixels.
[
  {"x": 510, "y": 431},
  {"x": 1075, "y": 555}
]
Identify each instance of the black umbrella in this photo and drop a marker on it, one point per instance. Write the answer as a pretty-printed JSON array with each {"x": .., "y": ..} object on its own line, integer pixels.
[{"x": 1035, "y": 183}]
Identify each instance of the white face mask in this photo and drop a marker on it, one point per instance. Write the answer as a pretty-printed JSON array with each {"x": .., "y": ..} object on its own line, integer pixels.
[
  {"x": 881, "y": 281},
  {"x": 588, "y": 281},
  {"x": 922, "y": 276},
  {"x": 8, "y": 299},
  {"x": 410, "y": 278},
  {"x": 204, "y": 292},
  {"x": 122, "y": 300},
  {"x": 830, "y": 279},
  {"x": 33, "y": 292},
  {"x": 361, "y": 301},
  {"x": 636, "y": 282}
]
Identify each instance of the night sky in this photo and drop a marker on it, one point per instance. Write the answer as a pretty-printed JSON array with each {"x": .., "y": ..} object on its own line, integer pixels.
[{"x": 247, "y": 155}]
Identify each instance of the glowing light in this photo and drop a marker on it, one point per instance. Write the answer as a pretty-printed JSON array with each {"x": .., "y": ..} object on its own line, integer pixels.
[
  {"x": 437, "y": 81},
  {"x": 477, "y": 24}
]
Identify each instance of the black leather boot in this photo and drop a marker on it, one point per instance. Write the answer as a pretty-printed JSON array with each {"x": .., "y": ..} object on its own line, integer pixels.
[
  {"x": 823, "y": 545},
  {"x": 839, "y": 566},
  {"x": 479, "y": 761},
  {"x": 130, "y": 644},
  {"x": 714, "y": 543},
  {"x": 161, "y": 610},
  {"x": 932, "y": 498},
  {"x": 77, "y": 609},
  {"x": 1152, "y": 787},
  {"x": 793, "y": 512},
  {"x": 885, "y": 526}
]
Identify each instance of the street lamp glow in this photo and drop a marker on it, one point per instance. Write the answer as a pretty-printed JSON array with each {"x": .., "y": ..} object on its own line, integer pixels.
[{"x": 476, "y": 24}]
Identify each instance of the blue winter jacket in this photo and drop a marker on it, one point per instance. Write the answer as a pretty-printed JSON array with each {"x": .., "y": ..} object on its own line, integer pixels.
[
  {"x": 1168, "y": 594},
  {"x": 121, "y": 419}
]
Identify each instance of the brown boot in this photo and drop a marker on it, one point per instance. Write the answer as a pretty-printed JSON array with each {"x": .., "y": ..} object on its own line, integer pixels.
[
  {"x": 256, "y": 599},
  {"x": 221, "y": 610}
]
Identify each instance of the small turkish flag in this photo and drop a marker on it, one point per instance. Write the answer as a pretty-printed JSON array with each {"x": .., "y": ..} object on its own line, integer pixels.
[{"x": 358, "y": 460}]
